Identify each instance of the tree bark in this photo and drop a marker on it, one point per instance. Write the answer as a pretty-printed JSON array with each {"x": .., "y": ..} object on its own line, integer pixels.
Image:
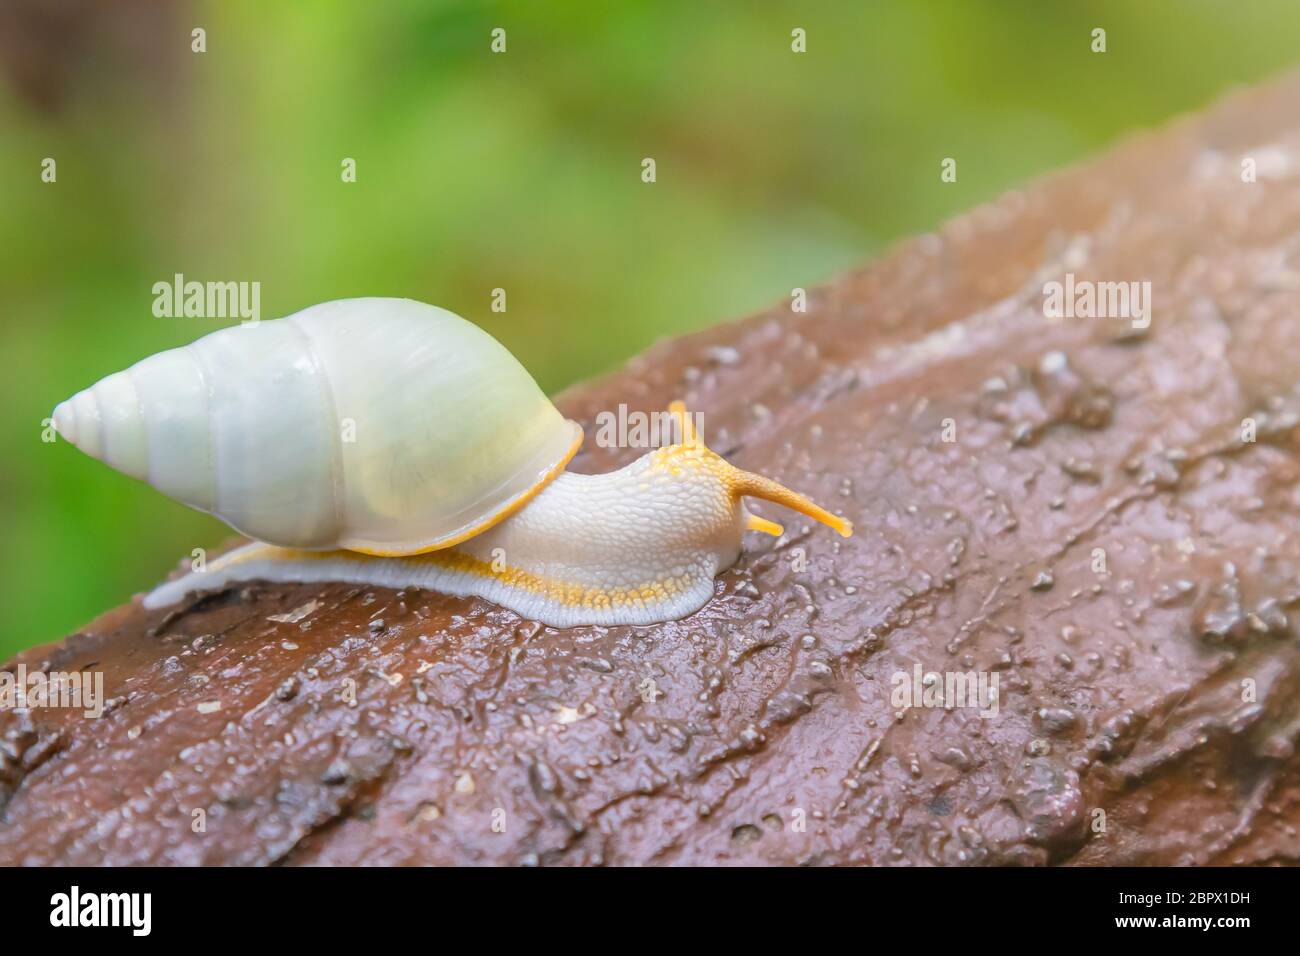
[{"x": 1071, "y": 506}]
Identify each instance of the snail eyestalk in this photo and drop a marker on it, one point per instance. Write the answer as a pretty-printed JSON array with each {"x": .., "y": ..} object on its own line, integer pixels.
[
  {"x": 746, "y": 483},
  {"x": 690, "y": 437}
]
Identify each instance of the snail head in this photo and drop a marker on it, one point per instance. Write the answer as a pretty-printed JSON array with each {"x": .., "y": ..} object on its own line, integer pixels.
[{"x": 695, "y": 460}]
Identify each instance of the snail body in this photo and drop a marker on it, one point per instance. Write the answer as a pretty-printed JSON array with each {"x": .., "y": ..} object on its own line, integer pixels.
[{"x": 457, "y": 484}]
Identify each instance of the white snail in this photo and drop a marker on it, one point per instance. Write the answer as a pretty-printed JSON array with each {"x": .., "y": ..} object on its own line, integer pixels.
[{"x": 388, "y": 442}]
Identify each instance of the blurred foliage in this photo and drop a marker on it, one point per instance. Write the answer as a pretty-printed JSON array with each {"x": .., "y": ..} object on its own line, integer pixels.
[{"x": 519, "y": 170}]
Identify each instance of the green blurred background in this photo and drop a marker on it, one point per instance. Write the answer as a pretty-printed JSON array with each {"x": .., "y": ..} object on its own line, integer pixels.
[{"x": 519, "y": 171}]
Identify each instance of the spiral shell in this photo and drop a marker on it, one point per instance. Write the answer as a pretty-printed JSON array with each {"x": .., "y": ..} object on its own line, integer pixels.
[{"x": 384, "y": 426}]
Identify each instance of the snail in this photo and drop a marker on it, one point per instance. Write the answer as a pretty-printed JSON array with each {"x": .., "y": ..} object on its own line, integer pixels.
[{"x": 392, "y": 443}]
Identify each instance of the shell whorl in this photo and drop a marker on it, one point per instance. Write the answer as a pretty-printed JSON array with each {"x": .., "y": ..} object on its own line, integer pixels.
[{"x": 381, "y": 425}]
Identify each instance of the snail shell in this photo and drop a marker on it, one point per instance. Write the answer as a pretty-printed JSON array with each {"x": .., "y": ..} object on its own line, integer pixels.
[{"x": 384, "y": 426}]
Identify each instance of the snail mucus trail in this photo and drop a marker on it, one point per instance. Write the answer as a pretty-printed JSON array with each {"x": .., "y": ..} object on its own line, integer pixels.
[{"x": 456, "y": 481}]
